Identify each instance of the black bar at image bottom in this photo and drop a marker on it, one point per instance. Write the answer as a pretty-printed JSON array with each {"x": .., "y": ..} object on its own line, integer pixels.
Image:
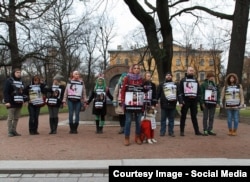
[{"x": 178, "y": 173}]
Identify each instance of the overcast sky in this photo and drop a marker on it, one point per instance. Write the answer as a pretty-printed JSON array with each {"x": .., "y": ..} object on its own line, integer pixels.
[{"x": 125, "y": 22}]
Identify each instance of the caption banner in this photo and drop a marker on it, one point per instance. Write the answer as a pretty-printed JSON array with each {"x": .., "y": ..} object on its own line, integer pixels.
[{"x": 178, "y": 173}]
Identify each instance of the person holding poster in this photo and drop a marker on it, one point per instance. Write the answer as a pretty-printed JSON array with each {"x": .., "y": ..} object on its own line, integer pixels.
[
  {"x": 54, "y": 101},
  {"x": 100, "y": 94},
  {"x": 210, "y": 98},
  {"x": 75, "y": 95},
  {"x": 188, "y": 99},
  {"x": 233, "y": 99},
  {"x": 13, "y": 99},
  {"x": 167, "y": 93},
  {"x": 150, "y": 90},
  {"x": 35, "y": 92},
  {"x": 132, "y": 96}
]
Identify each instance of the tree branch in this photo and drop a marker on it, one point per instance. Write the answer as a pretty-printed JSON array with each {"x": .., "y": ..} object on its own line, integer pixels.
[
  {"x": 178, "y": 2},
  {"x": 209, "y": 11}
]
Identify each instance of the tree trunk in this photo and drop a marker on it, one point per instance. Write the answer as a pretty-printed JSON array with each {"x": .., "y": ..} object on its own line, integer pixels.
[
  {"x": 13, "y": 45},
  {"x": 162, "y": 56},
  {"x": 238, "y": 38}
]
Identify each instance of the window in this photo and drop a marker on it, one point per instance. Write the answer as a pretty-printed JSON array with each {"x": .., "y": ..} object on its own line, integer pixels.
[
  {"x": 126, "y": 61},
  {"x": 202, "y": 62},
  {"x": 211, "y": 62},
  {"x": 202, "y": 76},
  {"x": 118, "y": 61},
  {"x": 178, "y": 62},
  {"x": 178, "y": 76}
]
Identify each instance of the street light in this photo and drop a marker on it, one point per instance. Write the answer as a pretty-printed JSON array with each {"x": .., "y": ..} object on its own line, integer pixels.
[{"x": 49, "y": 64}]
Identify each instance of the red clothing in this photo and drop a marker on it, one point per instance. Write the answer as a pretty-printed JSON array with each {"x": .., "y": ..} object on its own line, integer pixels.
[
  {"x": 146, "y": 130},
  {"x": 128, "y": 81}
]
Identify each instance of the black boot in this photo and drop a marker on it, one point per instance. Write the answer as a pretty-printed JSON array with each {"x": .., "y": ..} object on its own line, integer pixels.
[
  {"x": 97, "y": 126},
  {"x": 71, "y": 128},
  {"x": 75, "y": 128},
  {"x": 31, "y": 132},
  {"x": 51, "y": 125},
  {"x": 100, "y": 129}
]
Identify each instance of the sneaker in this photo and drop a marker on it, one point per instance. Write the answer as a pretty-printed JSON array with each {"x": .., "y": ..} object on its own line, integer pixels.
[
  {"x": 182, "y": 134},
  {"x": 154, "y": 140},
  {"x": 211, "y": 132},
  {"x": 149, "y": 141},
  {"x": 205, "y": 133},
  {"x": 162, "y": 134}
]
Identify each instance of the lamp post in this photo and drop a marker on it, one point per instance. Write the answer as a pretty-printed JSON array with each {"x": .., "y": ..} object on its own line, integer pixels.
[{"x": 49, "y": 64}]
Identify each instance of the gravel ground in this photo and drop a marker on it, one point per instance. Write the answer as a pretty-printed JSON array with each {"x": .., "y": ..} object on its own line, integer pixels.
[{"x": 87, "y": 145}]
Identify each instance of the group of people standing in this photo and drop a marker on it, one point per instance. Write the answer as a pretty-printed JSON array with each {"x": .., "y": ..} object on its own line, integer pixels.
[
  {"x": 133, "y": 94},
  {"x": 37, "y": 94},
  {"x": 207, "y": 94}
]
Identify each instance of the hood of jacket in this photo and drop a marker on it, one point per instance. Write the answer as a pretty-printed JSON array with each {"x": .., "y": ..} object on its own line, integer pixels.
[
  {"x": 35, "y": 77},
  {"x": 227, "y": 81},
  {"x": 13, "y": 74}
]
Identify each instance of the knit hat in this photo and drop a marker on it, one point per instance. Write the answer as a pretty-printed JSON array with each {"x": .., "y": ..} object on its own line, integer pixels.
[
  {"x": 58, "y": 77},
  {"x": 169, "y": 73},
  {"x": 210, "y": 74}
]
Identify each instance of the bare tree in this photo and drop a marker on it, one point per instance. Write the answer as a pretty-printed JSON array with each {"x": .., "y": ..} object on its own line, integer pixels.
[
  {"x": 90, "y": 40},
  {"x": 19, "y": 12},
  {"x": 239, "y": 21},
  {"x": 163, "y": 56},
  {"x": 60, "y": 38},
  {"x": 105, "y": 37}
]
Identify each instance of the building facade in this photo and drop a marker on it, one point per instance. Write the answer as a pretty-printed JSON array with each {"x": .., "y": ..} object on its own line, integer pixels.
[{"x": 202, "y": 60}]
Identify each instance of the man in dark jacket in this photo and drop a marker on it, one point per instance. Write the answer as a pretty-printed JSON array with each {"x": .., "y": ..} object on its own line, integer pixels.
[
  {"x": 13, "y": 98},
  {"x": 167, "y": 93},
  {"x": 189, "y": 97}
]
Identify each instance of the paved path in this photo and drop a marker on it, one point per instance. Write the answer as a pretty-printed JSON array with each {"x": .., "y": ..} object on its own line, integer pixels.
[{"x": 86, "y": 156}]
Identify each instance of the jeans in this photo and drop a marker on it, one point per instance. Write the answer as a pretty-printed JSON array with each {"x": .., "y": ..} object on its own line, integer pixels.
[
  {"x": 232, "y": 115},
  {"x": 208, "y": 114},
  {"x": 34, "y": 112},
  {"x": 13, "y": 116},
  {"x": 167, "y": 114},
  {"x": 74, "y": 107},
  {"x": 128, "y": 120}
]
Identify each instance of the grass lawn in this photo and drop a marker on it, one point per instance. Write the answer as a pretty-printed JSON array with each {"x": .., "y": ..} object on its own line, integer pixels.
[
  {"x": 44, "y": 110},
  {"x": 24, "y": 111}
]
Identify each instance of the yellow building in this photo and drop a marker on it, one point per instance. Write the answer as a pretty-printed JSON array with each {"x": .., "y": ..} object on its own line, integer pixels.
[{"x": 202, "y": 60}]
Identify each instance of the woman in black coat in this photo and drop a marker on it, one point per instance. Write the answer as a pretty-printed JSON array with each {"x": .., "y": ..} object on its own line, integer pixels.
[{"x": 100, "y": 94}]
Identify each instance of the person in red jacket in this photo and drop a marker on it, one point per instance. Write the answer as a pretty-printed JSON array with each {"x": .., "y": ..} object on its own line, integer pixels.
[{"x": 132, "y": 87}]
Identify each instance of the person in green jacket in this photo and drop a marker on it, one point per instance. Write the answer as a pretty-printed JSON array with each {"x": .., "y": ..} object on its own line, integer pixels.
[{"x": 210, "y": 99}]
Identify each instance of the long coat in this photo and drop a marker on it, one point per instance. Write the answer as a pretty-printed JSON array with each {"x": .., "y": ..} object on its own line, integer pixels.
[{"x": 103, "y": 109}]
